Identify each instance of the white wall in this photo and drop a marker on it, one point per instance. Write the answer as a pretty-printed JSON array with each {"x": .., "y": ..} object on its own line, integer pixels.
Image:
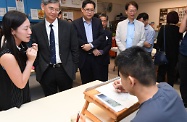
[
  {"x": 153, "y": 9},
  {"x": 116, "y": 9}
]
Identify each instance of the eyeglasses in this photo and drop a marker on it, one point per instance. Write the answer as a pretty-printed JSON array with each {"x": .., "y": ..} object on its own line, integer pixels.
[
  {"x": 89, "y": 10},
  {"x": 57, "y": 10},
  {"x": 132, "y": 11}
]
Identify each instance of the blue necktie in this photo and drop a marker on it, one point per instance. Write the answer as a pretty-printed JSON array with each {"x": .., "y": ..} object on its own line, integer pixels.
[{"x": 52, "y": 45}]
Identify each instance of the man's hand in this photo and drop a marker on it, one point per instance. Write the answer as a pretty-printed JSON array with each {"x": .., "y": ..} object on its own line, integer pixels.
[
  {"x": 96, "y": 52},
  {"x": 118, "y": 86},
  {"x": 86, "y": 47}
]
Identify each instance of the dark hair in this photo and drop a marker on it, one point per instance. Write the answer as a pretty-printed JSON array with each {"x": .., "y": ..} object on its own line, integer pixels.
[
  {"x": 172, "y": 17},
  {"x": 96, "y": 15},
  {"x": 69, "y": 20},
  {"x": 45, "y": 2},
  {"x": 103, "y": 15},
  {"x": 131, "y": 3},
  {"x": 144, "y": 15},
  {"x": 136, "y": 62},
  {"x": 12, "y": 20},
  {"x": 85, "y": 2},
  {"x": 60, "y": 12}
]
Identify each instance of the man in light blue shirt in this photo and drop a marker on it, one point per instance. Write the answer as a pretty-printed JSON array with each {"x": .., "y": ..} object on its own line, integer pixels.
[
  {"x": 130, "y": 32},
  {"x": 149, "y": 32},
  {"x": 88, "y": 31},
  {"x": 91, "y": 37}
]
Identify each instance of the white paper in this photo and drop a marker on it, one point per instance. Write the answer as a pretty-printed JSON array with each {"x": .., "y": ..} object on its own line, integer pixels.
[
  {"x": 2, "y": 11},
  {"x": 67, "y": 15},
  {"x": 20, "y": 5},
  {"x": 11, "y": 8},
  {"x": 34, "y": 14},
  {"x": 125, "y": 99}
]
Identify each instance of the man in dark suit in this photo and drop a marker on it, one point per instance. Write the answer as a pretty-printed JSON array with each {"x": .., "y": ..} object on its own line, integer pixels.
[
  {"x": 104, "y": 58},
  {"x": 57, "y": 57},
  {"x": 90, "y": 37}
]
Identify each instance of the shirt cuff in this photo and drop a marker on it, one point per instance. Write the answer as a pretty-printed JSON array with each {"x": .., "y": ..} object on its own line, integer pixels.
[{"x": 91, "y": 45}]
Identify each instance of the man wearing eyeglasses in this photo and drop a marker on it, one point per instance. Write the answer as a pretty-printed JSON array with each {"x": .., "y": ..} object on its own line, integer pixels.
[
  {"x": 57, "y": 57},
  {"x": 90, "y": 37},
  {"x": 130, "y": 32}
]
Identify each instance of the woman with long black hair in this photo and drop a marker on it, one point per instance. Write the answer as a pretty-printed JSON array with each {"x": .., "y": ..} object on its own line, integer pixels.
[{"x": 16, "y": 60}]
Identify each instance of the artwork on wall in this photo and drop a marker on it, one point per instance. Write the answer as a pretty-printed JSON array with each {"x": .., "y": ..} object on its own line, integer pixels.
[{"x": 165, "y": 11}]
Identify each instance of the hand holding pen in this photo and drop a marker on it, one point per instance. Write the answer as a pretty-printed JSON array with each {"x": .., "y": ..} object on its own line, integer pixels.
[
  {"x": 80, "y": 118},
  {"x": 118, "y": 86}
]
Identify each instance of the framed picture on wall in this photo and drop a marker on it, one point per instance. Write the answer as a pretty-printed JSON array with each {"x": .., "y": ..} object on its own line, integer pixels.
[{"x": 165, "y": 11}]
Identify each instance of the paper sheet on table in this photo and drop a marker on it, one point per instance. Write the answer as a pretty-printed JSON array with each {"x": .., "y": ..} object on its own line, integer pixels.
[{"x": 125, "y": 99}]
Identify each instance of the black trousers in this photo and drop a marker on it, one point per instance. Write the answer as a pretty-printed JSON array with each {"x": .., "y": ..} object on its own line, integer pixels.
[
  {"x": 183, "y": 77},
  {"x": 103, "y": 73},
  {"x": 54, "y": 80},
  {"x": 92, "y": 71}
]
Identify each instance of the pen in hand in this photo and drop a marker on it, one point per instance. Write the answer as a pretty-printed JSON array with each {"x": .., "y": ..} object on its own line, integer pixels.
[{"x": 78, "y": 116}]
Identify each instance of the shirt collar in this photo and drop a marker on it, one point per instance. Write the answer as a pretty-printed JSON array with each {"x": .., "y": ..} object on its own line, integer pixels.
[
  {"x": 55, "y": 23},
  {"x": 146, "y": 27},
  {"x": 84, "y": 21},
  {"x": 130, "y": 22}
]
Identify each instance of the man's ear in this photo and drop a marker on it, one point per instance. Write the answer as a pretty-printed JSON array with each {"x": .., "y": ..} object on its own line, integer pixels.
[
  {"x": 82, "y": 10},
  {"x": 132, "y": 81},
  {"x": 42, "y": 6},
  {"x": 126, "y": 12}
]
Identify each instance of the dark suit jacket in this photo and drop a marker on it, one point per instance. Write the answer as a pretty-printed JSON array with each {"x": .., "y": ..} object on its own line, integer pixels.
[
  {"x": 68, "y": 48},
  {"x": 98, "y": 37},
  {"x": 104, "y": 59}
]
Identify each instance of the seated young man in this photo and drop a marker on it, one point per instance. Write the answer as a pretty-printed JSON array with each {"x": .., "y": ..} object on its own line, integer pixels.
[{"x": 158, "y": 102}]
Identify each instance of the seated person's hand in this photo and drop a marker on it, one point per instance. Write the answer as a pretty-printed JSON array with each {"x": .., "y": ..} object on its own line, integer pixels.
[
  {"x": 118, "y": 86},
  {"x": 82, "y": 118}
]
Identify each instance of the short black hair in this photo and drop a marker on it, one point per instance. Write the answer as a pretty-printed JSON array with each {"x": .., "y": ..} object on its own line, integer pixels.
[
  {"x": 131, "y": 3},
  {"x": 172, "y": 17},
  {"x": 143, "y": 15},
  {"x": 85, "y": 2},
  {"x": 96, "y": 15},
  {"x": 136, "y": 62},
  {"x": 103, "y": 15}
]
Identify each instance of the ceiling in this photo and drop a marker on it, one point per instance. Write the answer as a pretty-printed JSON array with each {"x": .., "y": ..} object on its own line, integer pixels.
[{"x": 138, "y": 1}]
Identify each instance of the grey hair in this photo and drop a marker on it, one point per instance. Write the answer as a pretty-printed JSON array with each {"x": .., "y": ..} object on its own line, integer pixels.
[{"x": 45, "y": 2}]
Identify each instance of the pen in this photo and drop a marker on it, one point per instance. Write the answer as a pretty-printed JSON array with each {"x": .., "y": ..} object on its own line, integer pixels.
[{"x": 78, "y": 116}]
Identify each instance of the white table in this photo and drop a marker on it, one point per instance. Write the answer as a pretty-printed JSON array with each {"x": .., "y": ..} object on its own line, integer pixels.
[{"x": 55, "y": 108}]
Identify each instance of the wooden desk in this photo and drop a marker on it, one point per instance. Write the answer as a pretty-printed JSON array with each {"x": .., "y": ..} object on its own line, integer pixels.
[{"x": 114, "y": 116}]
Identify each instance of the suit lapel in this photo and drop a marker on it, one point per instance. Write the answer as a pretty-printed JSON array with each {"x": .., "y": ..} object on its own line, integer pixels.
[
  {"x": 81, "y": 23},
  {"x": 125, "y": 29},
  {"x": 93, "y": 27},
  {"x": 44, "y": 33},
  {"x": 60, "y": 35}
]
